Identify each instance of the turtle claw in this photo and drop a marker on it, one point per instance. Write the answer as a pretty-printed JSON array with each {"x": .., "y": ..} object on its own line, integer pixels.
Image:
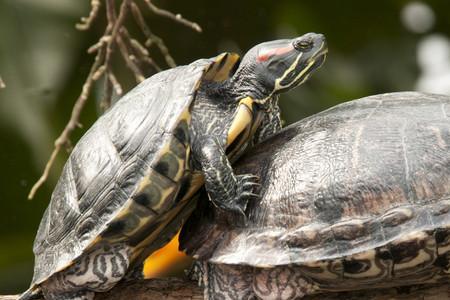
[
  {"x": 252, "y": 184},
  {"x": 246, "y": 184},
  {"x": 250, "y": 195},
  {"x": 234, "y": 208}
]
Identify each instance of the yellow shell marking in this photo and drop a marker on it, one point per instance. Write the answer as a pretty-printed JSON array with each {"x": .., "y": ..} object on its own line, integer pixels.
[
  {"x": 224, "y": 72},
  {"x": 155, "y": 190},
  {"x": 424, "y": 256},
  {"x": 221, "y": 68},
  {"x": 444, "y": 247},
  {"x": 323, "y": 270},
  {"x": 374, "y": 271},
  {"x": 167, "y": 218},
  {"x": 172, "y": 162}
]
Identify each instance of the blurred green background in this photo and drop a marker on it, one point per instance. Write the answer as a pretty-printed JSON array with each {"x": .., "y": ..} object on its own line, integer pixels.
[{"x": 374, "y": 47}]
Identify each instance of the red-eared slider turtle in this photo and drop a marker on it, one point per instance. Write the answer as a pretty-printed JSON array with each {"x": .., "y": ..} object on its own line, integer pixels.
[
  {"x": 130, "y": 175},
  {"x": 355, "y": 197}
]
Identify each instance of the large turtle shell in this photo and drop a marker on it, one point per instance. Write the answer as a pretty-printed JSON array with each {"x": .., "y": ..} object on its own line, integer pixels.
[
  {"x": 364, "y": 181},
  {"x": 140, "y": 146}
]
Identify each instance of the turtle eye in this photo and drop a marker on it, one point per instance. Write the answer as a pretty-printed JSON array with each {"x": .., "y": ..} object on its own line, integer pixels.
[{"x": 303, "y": 45}]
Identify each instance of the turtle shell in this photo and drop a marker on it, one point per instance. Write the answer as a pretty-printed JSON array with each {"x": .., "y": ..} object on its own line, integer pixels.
[
  {"x": 127, "y": 172},
  {"x": 359, "y": 190}
]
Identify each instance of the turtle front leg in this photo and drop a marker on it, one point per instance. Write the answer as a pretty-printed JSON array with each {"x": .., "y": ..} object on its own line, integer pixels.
[{"x": 226, "y": 190}]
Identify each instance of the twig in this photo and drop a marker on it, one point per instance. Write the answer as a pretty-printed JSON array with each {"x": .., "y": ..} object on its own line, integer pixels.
[
  {"x": 130, "y": 60},
  {"x": 134, "y": 54},
  {"x": 139, "y": 50},
  {"x": 177, "y": 18},
  {"x": 115, "y": 83},
  {"x": 64, "y": 138},
  {"x": 86, "y": 22},
  {"x": 107, "y": 93},
  {"x": 151, "y": 37},
  {"x": 116, "y": 28}
]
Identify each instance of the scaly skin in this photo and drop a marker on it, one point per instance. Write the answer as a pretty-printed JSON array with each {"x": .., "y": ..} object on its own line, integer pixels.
[{"x": 216, "y": 103}]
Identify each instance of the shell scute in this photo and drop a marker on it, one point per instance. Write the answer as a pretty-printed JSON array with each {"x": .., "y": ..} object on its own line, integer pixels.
[
  {"x": 304, "y": 237},
  {"x": 168, "y": 165},
  {"x": 156, "y": 191},
  {"x": 82, "y": 229},
  {"x": 404, "y": 220},
  {"x": 349, "y": 230},
  {"x": 441, "y": 208},
  {"x": 181, "y": 132},
  {"x": 397, "y": 216}
]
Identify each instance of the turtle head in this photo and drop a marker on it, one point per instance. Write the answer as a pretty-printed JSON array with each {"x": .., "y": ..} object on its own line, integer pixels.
[{"x": 277, "y": 66}]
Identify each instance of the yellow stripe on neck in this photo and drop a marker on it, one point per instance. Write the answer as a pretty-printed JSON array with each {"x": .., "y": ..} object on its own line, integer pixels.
[{"x": 242, "y": 119}]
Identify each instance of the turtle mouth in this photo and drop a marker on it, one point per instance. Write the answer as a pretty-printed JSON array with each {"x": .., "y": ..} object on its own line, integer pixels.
[
  {"x": 320, "y": 56},
  {"x": 319, "y": 60}
]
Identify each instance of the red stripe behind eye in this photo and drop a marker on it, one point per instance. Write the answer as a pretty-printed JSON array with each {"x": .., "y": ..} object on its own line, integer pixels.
[{"x": 276, "y": 51}]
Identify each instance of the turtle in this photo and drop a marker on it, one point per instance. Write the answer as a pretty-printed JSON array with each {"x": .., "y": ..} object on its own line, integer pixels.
[
  {"x": 127, "y": 186},
  {"x": 354, "y": 197}
]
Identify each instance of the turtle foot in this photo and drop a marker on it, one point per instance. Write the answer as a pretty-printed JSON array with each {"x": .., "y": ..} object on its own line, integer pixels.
[{"x": 233, "y": 210}]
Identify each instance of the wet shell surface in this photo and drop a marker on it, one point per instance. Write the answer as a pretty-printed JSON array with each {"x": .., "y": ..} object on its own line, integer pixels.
[{"x": 359, "y": 191}]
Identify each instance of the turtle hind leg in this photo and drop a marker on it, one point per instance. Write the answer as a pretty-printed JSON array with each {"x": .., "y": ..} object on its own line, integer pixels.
[
  {"x": 281, "y": 283},
  {"x": 79, "y": 295},
  {"x": 32, "y": 294},
  {"x": 225, "y": 281},
  {"x": 96, "y": 271}
]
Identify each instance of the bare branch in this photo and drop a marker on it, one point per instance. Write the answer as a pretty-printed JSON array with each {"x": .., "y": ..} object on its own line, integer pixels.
[
  {"x": 163, "y": 48},
  {"x": 133, "y": 52},
  {"x": 130, "y": 60},
  {"x": 151, "y": 37},
  {"x": 99, "y": 73},
  {"x": 114, "y": 25},
  {"x": 107, "y": 94},
  {"x": 115, "y": 83},
  {"x": 94, "y": 48},
  {"x": 64, "y": 139},
  {"x": 177, "y": 18},
  {"x": 176, "y": 289},
  {"x": 87, "y": 21},
  {"x": 143, "y": 56},
  {"x": 110, "y": 13}
]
